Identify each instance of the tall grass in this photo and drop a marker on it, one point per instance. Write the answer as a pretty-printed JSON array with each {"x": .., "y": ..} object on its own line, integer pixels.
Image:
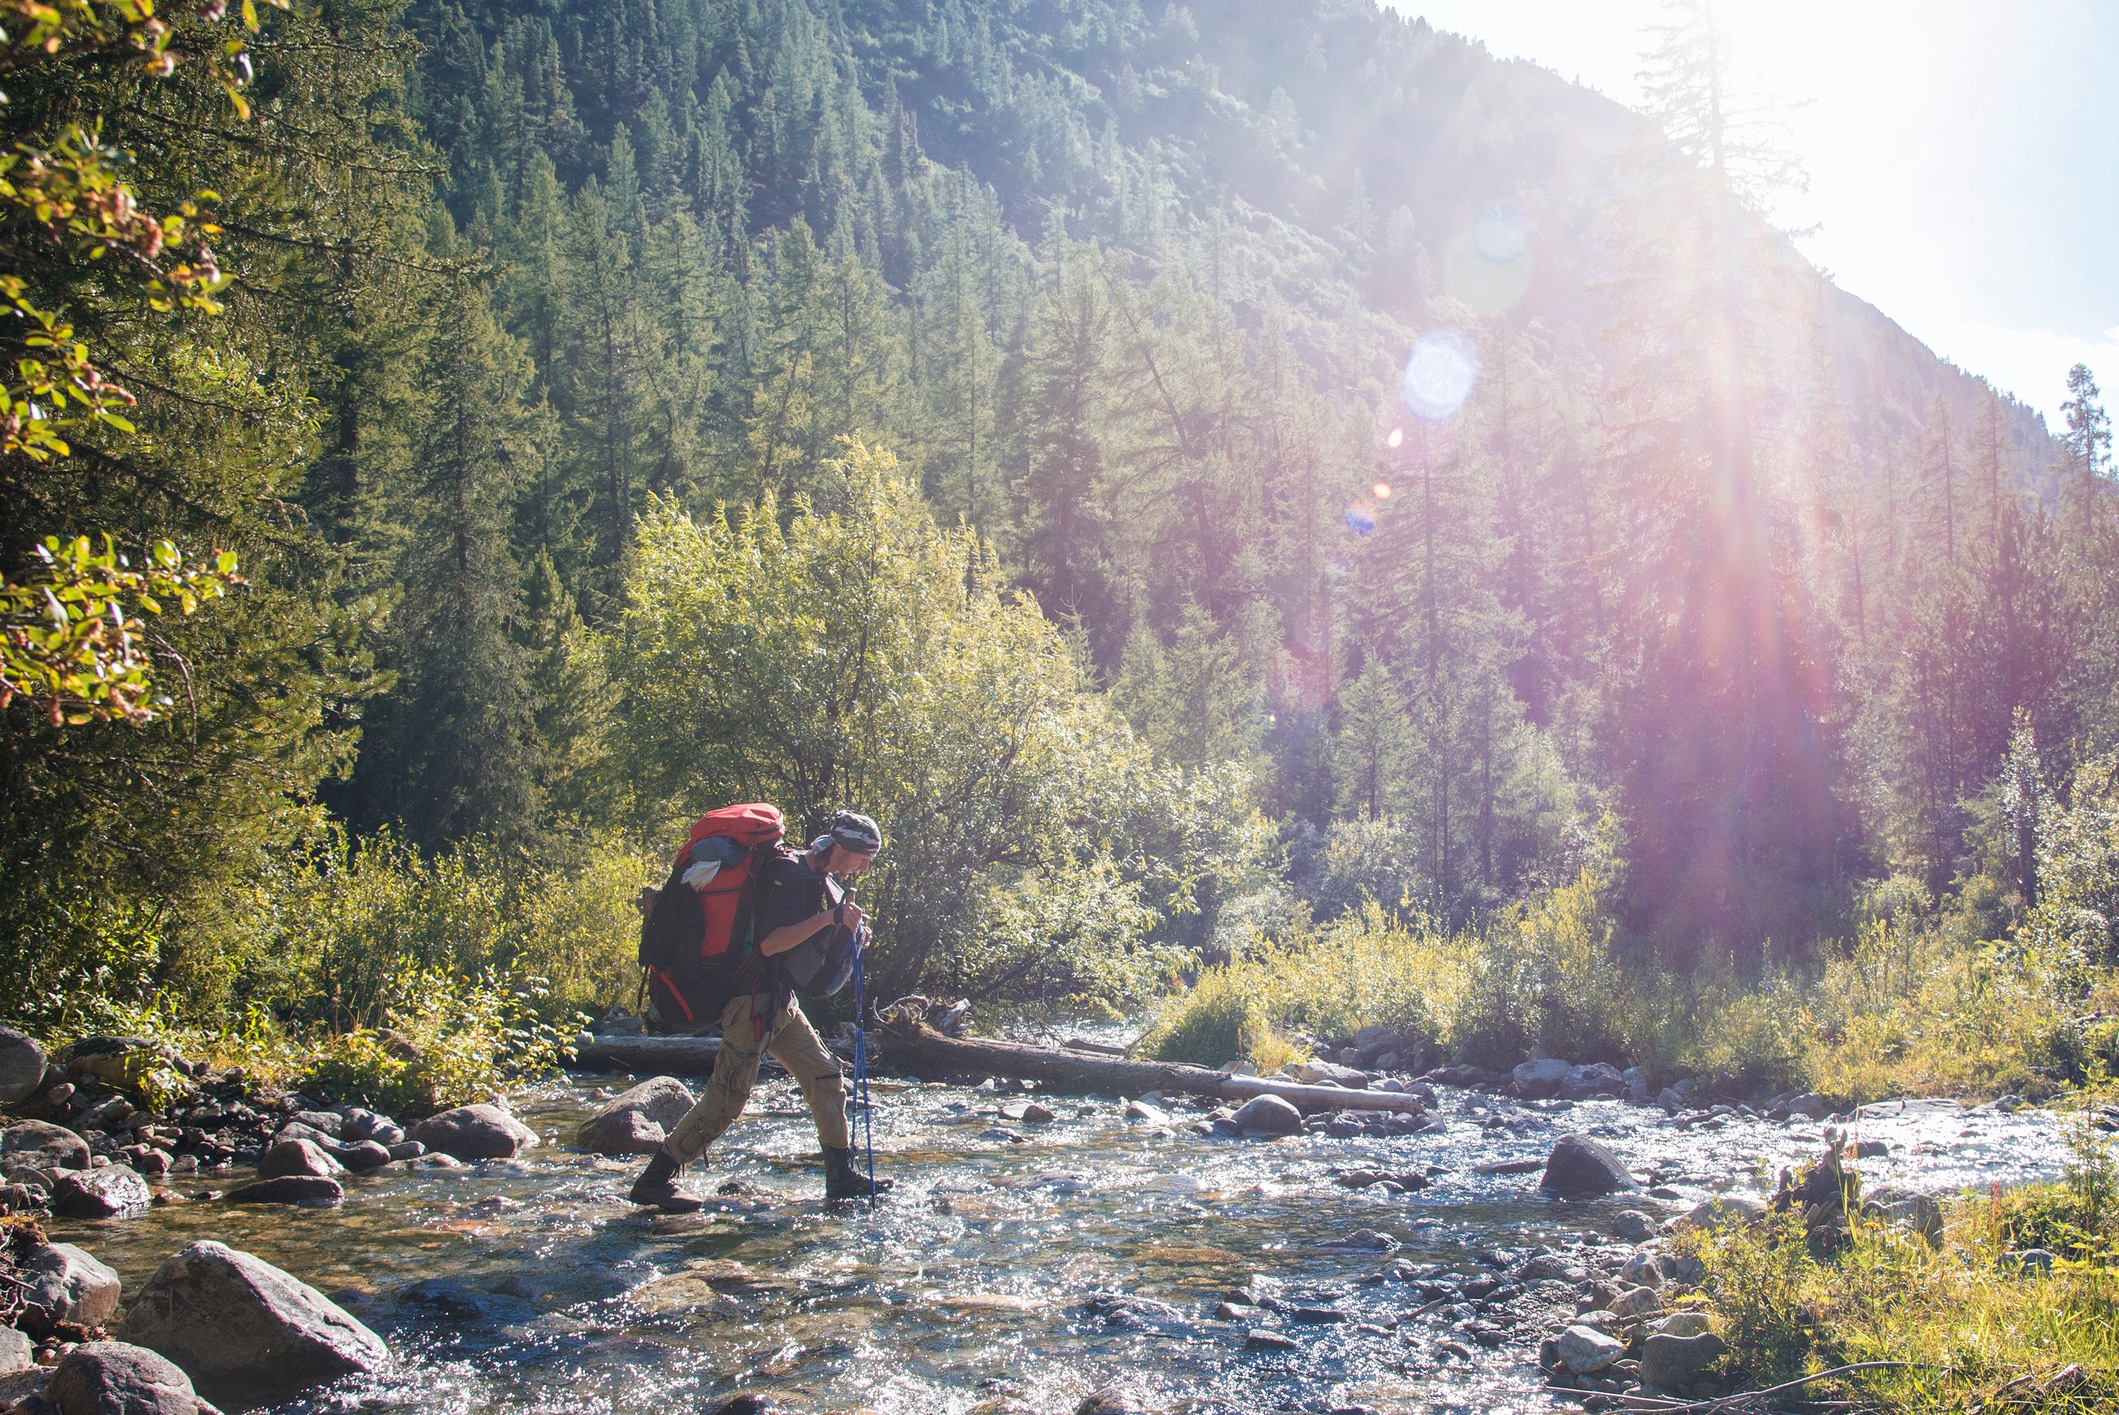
[
  {"x": 1910, "y": 1007},
  {"x": 1972, "y": 1327}
]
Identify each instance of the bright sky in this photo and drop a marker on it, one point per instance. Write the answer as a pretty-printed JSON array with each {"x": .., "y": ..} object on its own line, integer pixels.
[{"x": 1963, "y": 156}]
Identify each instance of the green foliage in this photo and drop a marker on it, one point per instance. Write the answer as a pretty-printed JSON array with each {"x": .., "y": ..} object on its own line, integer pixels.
[
  {"x": 868, "y": 658},
  {"x": 68, "y": 641},
  {"x": 1547, "y": 974},
  {"x": 1963, "y": 1327},
  {"x": 445, "y": 1040},
  {"x": 342, "y": 925}
]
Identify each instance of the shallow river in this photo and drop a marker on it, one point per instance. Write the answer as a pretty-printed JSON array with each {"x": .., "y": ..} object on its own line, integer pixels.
[{"x": 532, "y": 1285}]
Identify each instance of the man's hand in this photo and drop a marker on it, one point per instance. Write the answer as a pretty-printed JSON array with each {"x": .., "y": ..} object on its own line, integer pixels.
[{"x": 849, "y": 914}]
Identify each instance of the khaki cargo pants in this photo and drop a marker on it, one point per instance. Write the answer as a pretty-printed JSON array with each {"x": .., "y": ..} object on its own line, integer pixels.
[{"x": 795, "y": 1045}]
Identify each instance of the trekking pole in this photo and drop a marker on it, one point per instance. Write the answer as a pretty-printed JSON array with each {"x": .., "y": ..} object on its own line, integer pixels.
[{"x": 866, "y": 1113}]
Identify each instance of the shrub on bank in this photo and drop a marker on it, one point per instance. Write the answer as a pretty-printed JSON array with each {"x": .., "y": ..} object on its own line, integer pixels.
[{"x": 1973, "y": 1326}]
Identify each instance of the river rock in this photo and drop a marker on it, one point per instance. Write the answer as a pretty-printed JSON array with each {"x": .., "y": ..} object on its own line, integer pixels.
[
  {"x": 1918, "y": 1213},
  {"x": 1111, "y": 1400},
  {"x": 299, "y": 1157},
  {"x": 1596, "y": 1079},
  {"x": 1268, "y": 1115},
  {"x": 1540, "y": 1078},
  {"x": 68, "y": 1284},
  {"x": 475, "y": 1132},
  {"x": 1810, "y": 1106},
  {"x": 35, "y": 1144},
  {"x": 244, "y": 1330},
  {"x": 110, "y": 1192},
  {"x": 1674, "y": 1362},
  {"x": 1141, "y": 1113},
  {"x": 16, "y": 1353},
  {"x": 1581, "y": 1165},
  {"x": 1642, "y": 1270},
  {"x": 358, "y": 1125},
  {"x": 1585, "y": 1350},
  {"x": 750, "y": 1402},
  {"x": 328, "y": 1122},
  {"x": 1316, "y": 1072},
  {"x": 304, "y": 1191},
  {"x": 1637, "y": 1302},
  {"x": 118, "y": 1061},
  {"x": 1682, "y": 1324},
  {"x": 21, "y": 1066},
  {"x": 1550, "y": 1267},
  {"x": 1723, "y": 1211},
  {"x": 116, "y": 1378},
  {"x": 1633, "y": 1226},
  {"x": 636, "y": 1121},
  {"x": 363, "y": 1156}
]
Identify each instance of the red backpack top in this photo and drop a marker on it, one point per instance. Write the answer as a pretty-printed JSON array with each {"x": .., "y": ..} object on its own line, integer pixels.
[{"x": 757, "y": 827}]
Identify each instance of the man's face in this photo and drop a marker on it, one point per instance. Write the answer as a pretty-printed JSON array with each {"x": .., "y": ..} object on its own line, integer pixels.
[{"x": 845, "y": 862}]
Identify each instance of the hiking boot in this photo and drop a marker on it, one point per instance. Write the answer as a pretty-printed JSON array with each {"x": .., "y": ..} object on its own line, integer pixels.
[
  {"x": 657, "y": 1188},
  {"x": 843, "y": 1181}
]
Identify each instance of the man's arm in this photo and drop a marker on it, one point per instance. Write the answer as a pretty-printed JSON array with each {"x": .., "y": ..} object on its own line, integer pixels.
[{"x": 788, "y": 935}]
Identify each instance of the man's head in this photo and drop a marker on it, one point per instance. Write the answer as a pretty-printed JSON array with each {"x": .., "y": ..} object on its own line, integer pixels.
[{"x": 849, "y": 846}]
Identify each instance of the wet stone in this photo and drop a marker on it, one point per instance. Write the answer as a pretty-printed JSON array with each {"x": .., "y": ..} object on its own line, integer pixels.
[
  {"x": 111, "y": 1192},
  {"x": 115, "y": 1378},
  {"x": 1266, "y": 1340},
  {"x": 306, "y": 1191}
]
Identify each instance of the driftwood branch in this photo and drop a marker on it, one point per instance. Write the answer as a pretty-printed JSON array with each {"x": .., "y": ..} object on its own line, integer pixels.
[{"x": 920, "y": 1050}]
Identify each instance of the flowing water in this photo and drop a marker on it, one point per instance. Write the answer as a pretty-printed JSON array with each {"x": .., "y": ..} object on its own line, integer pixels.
[{"x": 532, "y": 1285}]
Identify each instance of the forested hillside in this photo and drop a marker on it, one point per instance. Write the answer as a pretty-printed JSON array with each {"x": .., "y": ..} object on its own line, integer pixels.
[{"x": 1445, "y": 472}]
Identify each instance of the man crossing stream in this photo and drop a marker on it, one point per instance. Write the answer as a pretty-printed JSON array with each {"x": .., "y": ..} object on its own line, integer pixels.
[{"x": 803, "y": 932}]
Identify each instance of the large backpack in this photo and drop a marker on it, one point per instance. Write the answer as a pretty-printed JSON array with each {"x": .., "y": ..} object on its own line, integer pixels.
[{"x": 693, "y": 941}]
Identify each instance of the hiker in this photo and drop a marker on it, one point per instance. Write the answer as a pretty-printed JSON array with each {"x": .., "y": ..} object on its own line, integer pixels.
[{"x": 806, "y": 933}]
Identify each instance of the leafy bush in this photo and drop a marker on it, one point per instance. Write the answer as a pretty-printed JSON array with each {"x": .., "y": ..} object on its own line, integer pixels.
[
  {"x": 345, "y": 922},
  {"x": 446, "y": 1041},
  {"x": 1962, "y": 1327},
  {"x": 863, "y": 656}
]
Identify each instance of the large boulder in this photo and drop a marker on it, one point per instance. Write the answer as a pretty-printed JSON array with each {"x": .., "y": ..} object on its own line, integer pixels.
[
  {"x": 1585, "y": 1350},
  {"x": 246, "y": 1332},
  {"x": 359, "y": 1125},
  {"x": 118, "y": 1061},
  {"x": 1541, "y": 1078},
  {"x": 114, "y": 1378},
  {"x": 1267, "y": 1115},
  {"x": 1324, "y": 1073},
  {"x": 304, "y": 1191},
  {"x": 299, "y": 1157},
  {"x": 1580, "y": 1165},
  {"x": 36, "y": 1144},
  {"x": 638, "y": 1120},
  {"x": 475, "y": 1132},
  {"x": 21, "y": 1066},
  {"x": 1674, "y": 1362},
  {"x": 1598, "y": 1078},
  {"x": 111, "y": 1192},
  {"x": 68, "y": 1284}
]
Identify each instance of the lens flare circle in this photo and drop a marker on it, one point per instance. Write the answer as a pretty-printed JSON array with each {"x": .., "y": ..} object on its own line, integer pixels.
[
  {"x": 1501, "y": 233},
  {"x": 1361, "y": 518},
  {"x": 1439, "y": 375},
  {"x": 1381, "y": 491},
  {"x": 1397, "y": 437}
]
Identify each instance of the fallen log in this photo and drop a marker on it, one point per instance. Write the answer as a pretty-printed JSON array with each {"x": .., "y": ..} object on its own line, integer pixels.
[
  {"x": 928, "y": 1054},
  {"x": 658, "y": 1056},
  {"x": 667, "y": 1056}
]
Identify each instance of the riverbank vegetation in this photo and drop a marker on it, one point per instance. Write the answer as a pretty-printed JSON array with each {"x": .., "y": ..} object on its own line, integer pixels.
[
  {"x": 1256, "y": 566},
  {"x": 1968, "y": 1322}
]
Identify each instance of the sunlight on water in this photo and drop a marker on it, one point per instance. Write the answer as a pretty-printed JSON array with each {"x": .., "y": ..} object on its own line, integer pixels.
[
  {"x": 1439, "y": 375},
  {"x": 530, "y": 1285}
]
